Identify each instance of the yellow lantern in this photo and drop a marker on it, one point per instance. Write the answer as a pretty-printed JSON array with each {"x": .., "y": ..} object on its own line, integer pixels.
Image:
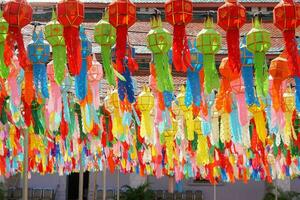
[
  {"x": 225, "y": 132},
  {"x": 259, "y": 120},
  {"x": 187, "y": 113},
  {"x": 202, "y": 156},
  {"x": 289, "y": 101},
  {"x": 145, "y": 103},
  {"x": 112, "y": 104},
  {"x": 169, "y": 141}
]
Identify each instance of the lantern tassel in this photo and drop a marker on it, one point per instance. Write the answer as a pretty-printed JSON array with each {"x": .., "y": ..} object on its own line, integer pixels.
[
  {"x": 81, "y": 81},
  {"x": 247, "y": 73},
  {"x": 193, "y": 89},
  {"x": 121, "y": 41},
  {"x": 232, "y": 37},
  {"x": 106, "y": 58},
  {"x": 297, "y": 94},
  {"x": 225, "y": 135},
  {"x": 125, "y": 88},
  {"x": 40, "y": 79},
  {"x": 211, "y": 78},
  {"x": 292, "y": 50},
  {"x": 178, "y": 47},
  {"x": 59, "y": 62},
  {"x": 163, "y": 73},
  {"x": 4, "y": 70},
  {"x": 261, "y": 74},
  {"x": 260, "y": 122},
  {"x": 28, "y": 88},
  {"x": 73, "y": 44}
]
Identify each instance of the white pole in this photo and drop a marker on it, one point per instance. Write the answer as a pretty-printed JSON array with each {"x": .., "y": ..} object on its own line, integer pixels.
[
  {"x": 95, "y": 184},
  {"x": 215, "y": 192},
  {"x": 104, "y": 180},
  {"x": 25, "y": 166},
  {"x": 80, "y": 193},
  {"x": 118, "y": 184}
]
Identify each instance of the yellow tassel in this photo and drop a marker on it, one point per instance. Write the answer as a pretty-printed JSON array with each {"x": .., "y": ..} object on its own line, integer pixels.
[
  {"x": 259, "y": 120},
  {"x": 88, "y": 126},
  {"x": 169, "y": 141},
  {"x": 225, "y": 134},
  {"x": 202, "y": 156},
  {"x": 289, "y": 132},
  {"x": 117, "y": 126}
]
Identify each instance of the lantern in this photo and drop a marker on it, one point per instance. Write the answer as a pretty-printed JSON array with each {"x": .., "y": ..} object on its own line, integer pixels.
[
  {"x": 187, "y": 112},
  {"x": 193, "y": 86},
  {"x": 112, "y": 103},
  {"x": 105, "y": 36},
  {"x": 145, "y": 103},
  {"x": 286, "y": 17},
  {"x": 95, "y": 75},
  {"x": 70, "y": 14},
  {"x": 122, "y": 15},
  {"x": 279, "y": 71},
  {"x": 4, "y": 70},
  {"x": 18, "y": 13},
  {"x": 179, "y": 13},
  {"x": 81, "y": 79},
  {"x": 39, "y": 53},
  {"x": 159, "y": 42},
  {"x": 169, "y": 135},
  {"x": 202, "y": 155},
  {"x": 54, "y": 35},
  {"x": 231, "y": 17},
  {"x": 259, "y": 42},
  {"x": 289, "y": 101},
  {"x": 247, "y": 73},
  {"x": 209, "y": 43}
]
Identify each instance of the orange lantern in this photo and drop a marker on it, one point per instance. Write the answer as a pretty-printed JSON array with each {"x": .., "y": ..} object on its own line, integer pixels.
[{"x": 179, "y": 13}]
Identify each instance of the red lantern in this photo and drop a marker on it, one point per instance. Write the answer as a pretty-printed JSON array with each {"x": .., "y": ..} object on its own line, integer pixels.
[
  {"x": 179, "y": 13},
  {"x": 70, "y": 13},
  {"x": 122, "y": 15},
  {"x": 18, "y": 13},
  {"x": 286, "y": 16},
  {"x": 231, "y": 17}
]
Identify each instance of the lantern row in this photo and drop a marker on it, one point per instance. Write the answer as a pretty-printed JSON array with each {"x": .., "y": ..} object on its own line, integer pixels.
[{"x": 239, "y": 121}]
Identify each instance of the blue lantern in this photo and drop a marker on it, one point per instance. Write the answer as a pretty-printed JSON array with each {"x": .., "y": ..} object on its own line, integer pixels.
[
  {"x": 247, "y": 73},
  {"x": 81, "y": 79},
  {"x": 38, "y": 53},
  {"x": 193, "y": 88}
]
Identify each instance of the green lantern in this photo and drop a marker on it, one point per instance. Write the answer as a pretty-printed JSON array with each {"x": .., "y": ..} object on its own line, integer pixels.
[
  {"x": 54, "y": 35},
  {"x": 159, "y": 41},
  {"x": 209, "y": 43},
  {"x": 4, "y": 70},
  {"x": 105, "y": 36},
  {"x": 258, "y": 42}
]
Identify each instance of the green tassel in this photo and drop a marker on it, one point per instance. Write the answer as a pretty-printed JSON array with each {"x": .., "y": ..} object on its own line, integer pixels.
[
  {"x": 163, "y": 73},
  {"x": 108, "y": 69},
  {"x": 211, "y": 77},
  {"x": 4, "y": 70},
  {"x": 59, "y": 63},
  {"x": 261, "y": 74}
]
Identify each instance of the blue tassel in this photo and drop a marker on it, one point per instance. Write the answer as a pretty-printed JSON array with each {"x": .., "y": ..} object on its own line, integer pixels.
[
  {"x": 297, "y": 88},
  {"x": 40, "y": 79},
  {"x": 168, "y": 98},
  {"x": 235, "y": 124},
  {"x": 126, "y": 88}
]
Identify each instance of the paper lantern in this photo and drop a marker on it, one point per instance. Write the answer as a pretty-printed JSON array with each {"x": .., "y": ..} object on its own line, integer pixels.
[
  {"x": 169, "y": 135},
  {"x": 259, "y": 42},
  {"x": 187, "y": 112},
  {"x": 18, "y": 13},
  {"x": 179, "y": 13},
  {"x": 54, "y": 35},
  {"x": 231, "y": 17},
  {"x": 247, "y": 73},
  {"x": 4, "y": 70},
  {"x": 193, "y": 86},
  {"x": 70, "y": 13},
  {"x": 159, "y": 41},
  {"x": 145, "y": 103},
  {"x": 39, "y": 53},
  {"x": 209, "y": 43},
  {"x": 286, "y": 17},
  {"x": 202, "y": 155},
  {"x": 81, "y": 78},
  {"x": 122, "y": 15},
  {"x": 95, "y": 75},
  {"x": 105, "y": 36},
  {"x": 279, "y": 71},
  {"x": 289, "y": 108}
]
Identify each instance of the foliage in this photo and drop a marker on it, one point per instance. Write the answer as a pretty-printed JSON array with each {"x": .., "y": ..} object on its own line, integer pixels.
[
  {"x": 282, "y": 195},
  {"x": 142, "y": 192}
]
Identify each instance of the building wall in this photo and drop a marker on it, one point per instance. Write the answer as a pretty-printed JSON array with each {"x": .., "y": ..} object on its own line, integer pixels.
[{"x": 227, "y": 191}]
